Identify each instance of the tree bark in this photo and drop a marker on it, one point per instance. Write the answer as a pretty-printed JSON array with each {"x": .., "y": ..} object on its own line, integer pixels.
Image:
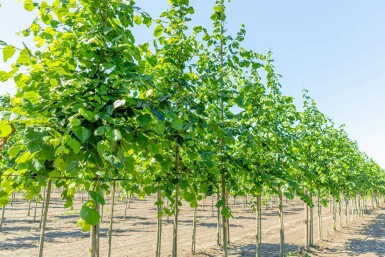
[
  {"x": 2, "y": 216},
  {"x": 111, "y": 220},
  {"x": 175, "y": 225},
  {"x": 194, "y": 232},
  {"x": 44, "y": 219},
  {"x": 282, "y": 228}
]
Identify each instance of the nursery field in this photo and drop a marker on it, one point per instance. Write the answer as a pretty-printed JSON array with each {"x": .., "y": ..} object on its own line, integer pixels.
[
  {"x": 135, "y": 235},
  {"x": 112, "y": 147}
]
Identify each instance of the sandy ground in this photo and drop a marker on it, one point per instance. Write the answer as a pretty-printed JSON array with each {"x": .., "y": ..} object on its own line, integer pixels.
[{"x": 136, "y": 235}]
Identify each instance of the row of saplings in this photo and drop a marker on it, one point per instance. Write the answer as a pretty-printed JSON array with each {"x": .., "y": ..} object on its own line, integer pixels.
[{"x": 343, "y": 211}]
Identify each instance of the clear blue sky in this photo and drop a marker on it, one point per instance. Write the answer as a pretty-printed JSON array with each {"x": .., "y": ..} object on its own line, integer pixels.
[{"x": 335, "y": 49}]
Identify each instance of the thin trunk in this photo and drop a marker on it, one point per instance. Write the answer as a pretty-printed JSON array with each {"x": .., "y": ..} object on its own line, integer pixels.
[
  {"x": 159, "y": 225},
  {"x": 212, "y": 206},
  {"x": 282, "y": 229},
  {"x": 219, "y": 224},
  {"x": 258, "y": 227},
  {"x": 111, "y": 220},
  {"x": 175, "y": 225},
  {"x": 194, "y": 232},
  {"x": 42, "y": 208},
  {"x": 228, "y": 220},
  {"x": 334, "y": 215},
  {"x": 311, "y": 223},
  {"x": 339, "y": 213},
  {"x": 125, "y": 207},
  {"x": 346, "y": 211},
  {"x": 101, "y": 215},
  {"x": 306, "y": 224},
  {"x": 2, "y": 216},
  {"x": 44, "y": 219},
  {"x": 29, "y": 208},
  {"x": 34, "y": 214},
  {"x": 319, "y": 220}
]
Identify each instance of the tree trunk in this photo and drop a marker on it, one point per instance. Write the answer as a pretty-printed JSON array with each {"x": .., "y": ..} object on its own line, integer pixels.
[
  {"x": 29, "y": 208},
  {"x": 346, "y": 211},
  {"x": 2, "y": 216},
  {"x": 224, "y": 218},
  {"x": 334, "y": 215},
  {"x": 306, "y": 224},
  {"x": 258, "y": 227},
  {"x": 175, "y": 225},
  {"x": 339, "y": 213},
  {"x": 194, "y": 232},
  {"x": 111, "y": 220},
  {"x": 34, "y": 215},
  {"x": 42, "y": 209},
  {"x": 44, "y": 219},
  {"x": 159, "y": 226},
  {"x": 319, "y": 220},
  {"x": 282, "y": 229},
  {"x": 219, "y": 224},
  {"x": 311, "y": 223}
]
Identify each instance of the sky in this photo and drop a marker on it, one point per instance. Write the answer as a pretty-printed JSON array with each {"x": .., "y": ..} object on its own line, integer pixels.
[{"x": 334, "y": 49}]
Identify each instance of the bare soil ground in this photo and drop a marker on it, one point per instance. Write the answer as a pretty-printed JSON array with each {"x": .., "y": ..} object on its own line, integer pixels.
[{"x": 136, "y": 235}]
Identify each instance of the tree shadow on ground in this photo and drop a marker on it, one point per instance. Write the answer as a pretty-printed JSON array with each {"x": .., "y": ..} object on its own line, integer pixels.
[{"x": 373, "y": 243}]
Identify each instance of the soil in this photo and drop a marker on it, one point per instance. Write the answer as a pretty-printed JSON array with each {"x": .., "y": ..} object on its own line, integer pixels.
[{"x": 135, "y": 236}]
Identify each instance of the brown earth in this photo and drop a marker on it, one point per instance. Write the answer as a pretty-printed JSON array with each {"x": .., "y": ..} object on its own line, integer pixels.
[{"x": 136, "y": 235}]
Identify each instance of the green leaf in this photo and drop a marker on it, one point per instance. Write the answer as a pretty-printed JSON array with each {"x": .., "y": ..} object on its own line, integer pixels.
[
  {"x": 97, "y": 197},
  {"x": 28, "y": 5},
  {"x": 177, "y": 124},
  {"x": 158, "y": 128},
  {"x": 153, "y": 148},
  {"x": 189, "y": 197},
  {"x": 7, "y": 186},
  {"x": 138, "y": 19},
  {"x": 23, "y": 57},
  {"x": 91, "y": 216},
  {"x": 144, "y": 120},
  {"x": 88, "y": 115},
  {"x": 74, "y": 144},
  {"x": 82, "y": 133},
  {"x": 102, "y": 130},
  {"x": 53, "y": 82},
  {"x": 8, "y": 52},
  {"x": 5, "y": 130},
  {"x": 158, "y": 31},
  {"x": 14, "y": 150}
]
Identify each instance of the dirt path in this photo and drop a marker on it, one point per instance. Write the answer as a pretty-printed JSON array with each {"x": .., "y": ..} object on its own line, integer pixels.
[
  {"x": 365, "y": 237},
  {"x": 136, "y": 235}
]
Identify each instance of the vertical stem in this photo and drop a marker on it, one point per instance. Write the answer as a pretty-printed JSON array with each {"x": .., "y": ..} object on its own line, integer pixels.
[
  {"x": 334, "y": 214},
  {"x": 29, "y": 208},
  {"x": 346, "y": 211},
  {"x": 306, "y": 224},
  {"x": 311, "y": 223},
  {"x": 175, "y": 225},
  {"x": 194, "y": 232},
  {"x": 44, "y": 219},
  {"x": 2, "y": 216},
  {"x": 111, "y": 220},
  {"x": 259, "y": 227},
  {"x": 219, "y": 224},
  {"x": 339, "y": 213},
  {"x": 42, "y": 209},
  {"x": 159, "y": 225},
  {"x": 319, "y": 220},
  {"x": 282, "y": 229},
  {"x": 34, "y": 215}
]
